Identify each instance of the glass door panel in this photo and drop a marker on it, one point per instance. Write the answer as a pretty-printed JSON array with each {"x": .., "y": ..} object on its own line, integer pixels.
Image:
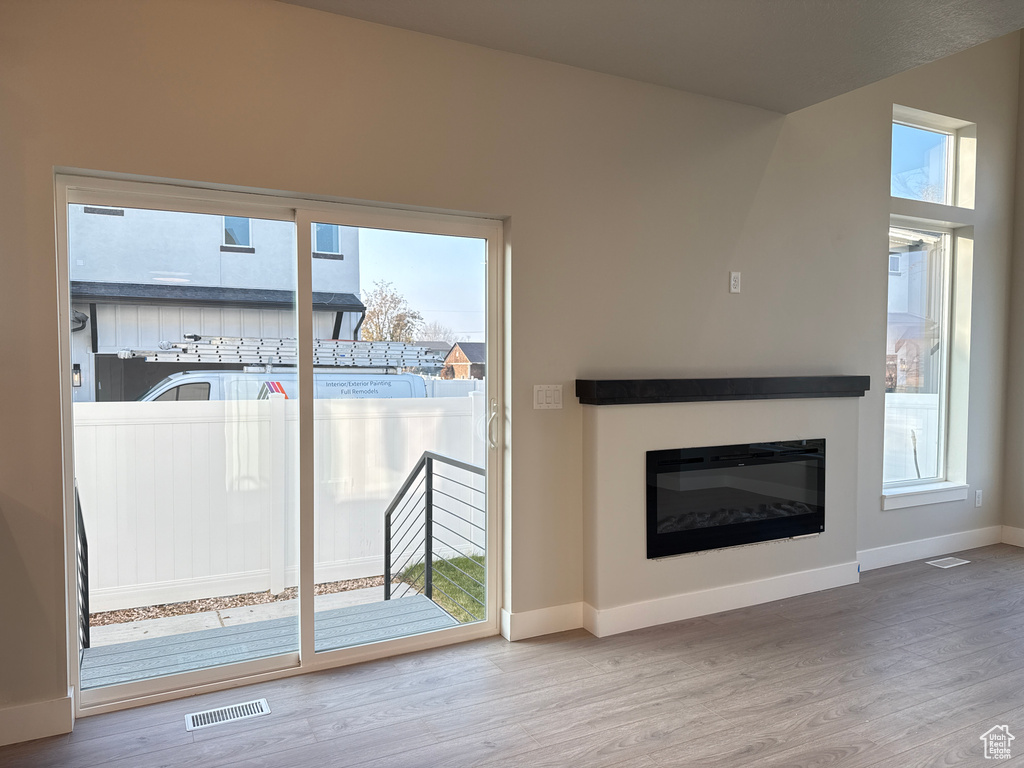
[
  {"x": 400, "y": 444},
  {"x": 185, "y": 430}
]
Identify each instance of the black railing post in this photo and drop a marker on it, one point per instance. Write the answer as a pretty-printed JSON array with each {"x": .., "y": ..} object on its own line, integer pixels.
[
  {"x": 400, "y": 521},
  {"x": 387, "y": 556},
  {"x": 83, "y": 575},
  {"x": 428, "y": 558}
]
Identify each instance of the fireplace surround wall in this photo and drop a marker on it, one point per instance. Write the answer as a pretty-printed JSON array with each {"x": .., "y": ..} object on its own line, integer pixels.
[{"x": 623, "y": 590}]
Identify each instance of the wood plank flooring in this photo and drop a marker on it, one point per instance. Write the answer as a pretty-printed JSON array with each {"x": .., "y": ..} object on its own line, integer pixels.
[
  {"x": 336, "y": 628},
  {"x": 908, "y": 668}
]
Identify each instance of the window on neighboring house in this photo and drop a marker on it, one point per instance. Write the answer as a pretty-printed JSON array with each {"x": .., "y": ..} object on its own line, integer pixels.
[
  {"x": 928, "y": 321},
  {"x": 326, "y": 240},
  {"x": 237, "y": 232}
]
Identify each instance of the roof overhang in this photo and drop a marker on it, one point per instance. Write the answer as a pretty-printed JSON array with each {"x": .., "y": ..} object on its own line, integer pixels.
[{"x": 207, "y": 296}]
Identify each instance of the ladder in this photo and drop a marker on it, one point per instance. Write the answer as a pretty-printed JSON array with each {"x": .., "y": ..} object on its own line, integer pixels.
[{"x": 259, "y": 351}]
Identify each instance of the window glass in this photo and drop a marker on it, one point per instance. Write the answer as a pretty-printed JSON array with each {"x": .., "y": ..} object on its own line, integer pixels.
[
  {"x": 229, "y": 524},
  {"x": 917, "y": 357},
  {"x": 327, "y": 238},
  {"x": 197, "y": 390},
  {"x": 921, "y": 164},
  {"x": 236, "y": 231}
]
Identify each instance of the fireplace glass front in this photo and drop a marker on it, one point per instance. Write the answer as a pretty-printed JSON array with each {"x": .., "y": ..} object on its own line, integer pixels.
[{"x": 728, "y": 495}]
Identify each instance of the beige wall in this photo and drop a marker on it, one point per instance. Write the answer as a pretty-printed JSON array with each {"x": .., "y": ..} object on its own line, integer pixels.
[
  {"x": 629, "y": 203},
  {"x": 1013, "y": 503}
]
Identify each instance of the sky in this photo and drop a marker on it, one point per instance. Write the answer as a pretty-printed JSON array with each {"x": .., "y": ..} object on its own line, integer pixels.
[
  {"x": 915, "y": 153},
  {"x": 442, "y": 277}
]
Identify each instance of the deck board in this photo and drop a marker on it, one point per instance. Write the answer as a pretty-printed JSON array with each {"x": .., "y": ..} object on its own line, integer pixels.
[{"x": 336, "y": 628}]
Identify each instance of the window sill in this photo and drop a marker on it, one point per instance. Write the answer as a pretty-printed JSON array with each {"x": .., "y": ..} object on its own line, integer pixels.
[
  {"x": 920, "y": 495},
  {"x": 237, "y": 249},
  {"x": 326, "y": 255}
]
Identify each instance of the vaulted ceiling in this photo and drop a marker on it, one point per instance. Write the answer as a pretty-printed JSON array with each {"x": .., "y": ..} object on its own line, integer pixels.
[{"x": 781, "y": 55}]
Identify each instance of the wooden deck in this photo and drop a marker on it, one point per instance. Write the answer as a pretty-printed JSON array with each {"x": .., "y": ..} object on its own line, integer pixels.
[{"x": 336, "y": 628}]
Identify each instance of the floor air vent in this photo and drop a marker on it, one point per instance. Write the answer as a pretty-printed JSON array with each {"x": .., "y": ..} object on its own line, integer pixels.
[
  {"x": 947, "y": 562},
  {"x": 226, "y": 714}
]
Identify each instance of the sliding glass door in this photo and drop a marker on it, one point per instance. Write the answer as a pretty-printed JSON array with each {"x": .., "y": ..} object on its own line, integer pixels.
[
  {"x": 283, "y": 422},
  {"x": 400, "y": 444},
  {"x": 183, "y": 474}
]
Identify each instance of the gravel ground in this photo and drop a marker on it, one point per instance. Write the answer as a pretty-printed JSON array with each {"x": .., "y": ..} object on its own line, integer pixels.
[{"x": 218, "y": 603}]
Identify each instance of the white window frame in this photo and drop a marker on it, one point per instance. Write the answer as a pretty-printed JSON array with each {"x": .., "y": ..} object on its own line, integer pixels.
[
  {"x": 949, "y": 183},
  {"x": 960, "y": 154},
  {"x": 74, "y": 186},
  {"x": 958, "y": 221},
  {"x": 944, "y": 321}
]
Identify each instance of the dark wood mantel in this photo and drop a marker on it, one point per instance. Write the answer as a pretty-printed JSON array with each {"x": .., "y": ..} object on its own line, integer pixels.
[{"x": 636, "y": 391}]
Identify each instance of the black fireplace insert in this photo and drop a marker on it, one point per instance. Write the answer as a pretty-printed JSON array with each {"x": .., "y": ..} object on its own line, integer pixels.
[{"x": 728, "y": 495}]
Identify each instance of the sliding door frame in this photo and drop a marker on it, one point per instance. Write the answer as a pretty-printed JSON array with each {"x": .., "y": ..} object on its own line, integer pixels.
[{"x": 97, "y": 189}]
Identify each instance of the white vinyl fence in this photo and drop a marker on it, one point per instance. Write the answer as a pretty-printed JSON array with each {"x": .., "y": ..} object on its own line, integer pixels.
[
  {"x": 188, "y": 500},
  {"x": 912, "y": 436},
  {"x": 452, "y": 387}
]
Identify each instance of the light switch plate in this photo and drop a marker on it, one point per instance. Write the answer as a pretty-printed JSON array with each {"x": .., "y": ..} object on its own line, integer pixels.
[{"x": 547, "y": 396}]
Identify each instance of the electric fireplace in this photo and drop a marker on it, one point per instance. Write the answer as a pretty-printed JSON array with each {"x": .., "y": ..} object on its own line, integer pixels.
[{"x": 728, "y": 495}]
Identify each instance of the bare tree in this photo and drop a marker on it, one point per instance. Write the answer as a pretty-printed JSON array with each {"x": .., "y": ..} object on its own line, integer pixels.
[
  {"x": 435, "y": 331},
  {"x": 388, "y": 316}
]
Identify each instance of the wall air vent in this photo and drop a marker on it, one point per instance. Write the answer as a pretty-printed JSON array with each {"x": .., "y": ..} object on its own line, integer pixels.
[
  {"x": 947, "y": 562},
  {"x": 227, "y": 714}
]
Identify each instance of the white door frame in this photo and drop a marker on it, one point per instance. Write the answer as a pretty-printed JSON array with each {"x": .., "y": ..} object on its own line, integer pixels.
[{"x": 94, "y": 189}]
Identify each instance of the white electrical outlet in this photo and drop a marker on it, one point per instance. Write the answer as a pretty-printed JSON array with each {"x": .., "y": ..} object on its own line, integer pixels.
[
  {"x": 977, "y": 498},
  {"x": 547, "y": 396},
  {"x": 734, "y": 282}
]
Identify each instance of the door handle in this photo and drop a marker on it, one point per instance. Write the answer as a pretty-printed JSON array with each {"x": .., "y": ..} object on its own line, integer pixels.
[{"x": 490, "y": 420}]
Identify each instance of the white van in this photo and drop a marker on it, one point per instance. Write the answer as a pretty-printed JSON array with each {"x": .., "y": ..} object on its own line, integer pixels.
[{"x": 248, "y": 385}]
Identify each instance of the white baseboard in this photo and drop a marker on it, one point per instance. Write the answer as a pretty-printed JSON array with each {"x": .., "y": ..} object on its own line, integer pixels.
[
  {"x": 37, "y": 720},
  {"x": 1014, "y": 536},
  {"x": 894, "y": 554},
  {"x": 543, "y": 621},
  {"x": 624, "y": 618}
]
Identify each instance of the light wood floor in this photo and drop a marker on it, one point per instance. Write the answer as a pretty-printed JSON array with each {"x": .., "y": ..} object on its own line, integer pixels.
[{"x": 907, "y": 668}]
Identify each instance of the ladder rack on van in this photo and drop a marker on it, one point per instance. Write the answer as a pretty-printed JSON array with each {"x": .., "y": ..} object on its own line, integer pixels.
[{"x": 259, "y": 351}]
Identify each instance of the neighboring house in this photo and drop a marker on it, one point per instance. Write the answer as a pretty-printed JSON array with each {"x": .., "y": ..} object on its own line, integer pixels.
[
  {"x": 465, "y": 360},
  {"x": 440, "y": 348},
  {"x": 141, "y": 277},
  {"x": 912, "y": 328}
]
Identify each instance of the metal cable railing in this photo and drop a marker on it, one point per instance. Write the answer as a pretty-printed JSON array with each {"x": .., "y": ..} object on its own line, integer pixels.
[
  {"x": 83, "y": 575},
  {"x": 416, "y": 558}
]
